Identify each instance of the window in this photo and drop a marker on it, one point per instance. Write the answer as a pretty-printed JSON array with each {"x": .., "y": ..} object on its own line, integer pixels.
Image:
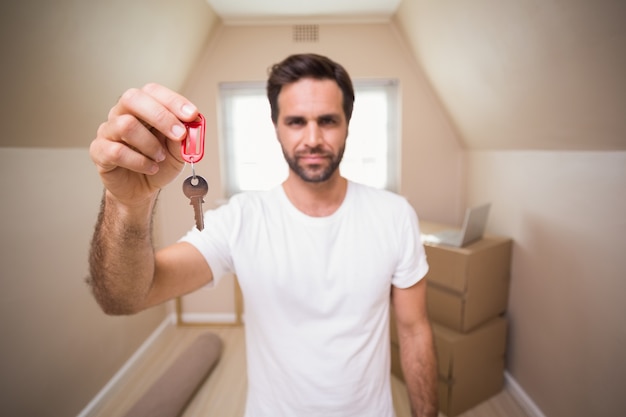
[{"x": 252, "y": 156}]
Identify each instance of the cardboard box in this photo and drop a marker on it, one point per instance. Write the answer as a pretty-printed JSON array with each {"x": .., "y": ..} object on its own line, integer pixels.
[
  {"x": 470, "y": 365},
  {"x": 468, "y": 286}
]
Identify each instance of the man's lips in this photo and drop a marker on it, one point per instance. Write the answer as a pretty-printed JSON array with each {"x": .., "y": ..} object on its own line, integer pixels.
[{"x": 312, "y": 158}]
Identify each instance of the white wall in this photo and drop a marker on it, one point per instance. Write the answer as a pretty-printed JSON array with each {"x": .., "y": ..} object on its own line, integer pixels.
[
  {"x": 58, "y": 348},
  {"x": 64, "y": 65},
  {"x": 566, "y": 212}
]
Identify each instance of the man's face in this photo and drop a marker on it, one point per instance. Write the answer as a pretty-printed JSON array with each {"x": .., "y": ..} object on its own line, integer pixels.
[{"x": 312, "y": 128}]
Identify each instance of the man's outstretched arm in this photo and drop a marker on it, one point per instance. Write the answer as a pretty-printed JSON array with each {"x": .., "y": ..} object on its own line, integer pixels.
[{"x": 136, "y": 152}]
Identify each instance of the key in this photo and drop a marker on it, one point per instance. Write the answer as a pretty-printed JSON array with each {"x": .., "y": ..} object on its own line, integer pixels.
[{"x": 195, "y": 188}]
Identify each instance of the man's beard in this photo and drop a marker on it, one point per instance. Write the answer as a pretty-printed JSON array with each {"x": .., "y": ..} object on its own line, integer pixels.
[{"x": 315, "y": 173}]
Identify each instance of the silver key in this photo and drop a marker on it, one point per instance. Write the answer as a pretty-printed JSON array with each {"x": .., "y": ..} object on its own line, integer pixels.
[{"x": 195, "y": 188}]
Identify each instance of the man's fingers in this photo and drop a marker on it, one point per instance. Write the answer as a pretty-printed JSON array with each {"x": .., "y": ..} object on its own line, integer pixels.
[
  {"x": 143, "y": 132},
  {"x": 109, "y": 155},
  {"x": 158, "y": 107},
  {"x": 174, "y": 102},
  {"x": 137, "y": 134}
]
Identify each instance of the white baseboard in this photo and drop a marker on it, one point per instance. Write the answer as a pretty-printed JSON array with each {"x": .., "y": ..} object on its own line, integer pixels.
[
  {"x": 522, "y": 398},
  {"x": 170, "y": 320},
  {"x": 214, "y": 318}
]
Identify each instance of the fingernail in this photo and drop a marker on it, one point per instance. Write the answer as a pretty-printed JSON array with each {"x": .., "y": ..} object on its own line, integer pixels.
[
  {"x": 188, "y": 109},
  {"x": 160, "y": 157},
  {"x": 178, "y": 131}
]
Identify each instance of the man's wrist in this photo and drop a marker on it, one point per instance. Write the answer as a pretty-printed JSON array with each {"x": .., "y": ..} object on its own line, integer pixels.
[{"x": 139, "y": 212}]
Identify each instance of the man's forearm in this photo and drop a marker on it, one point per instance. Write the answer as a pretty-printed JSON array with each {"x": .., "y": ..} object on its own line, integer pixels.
[
  {"x": 121, "y": 259},
  {"x": 419, "y": 366}
]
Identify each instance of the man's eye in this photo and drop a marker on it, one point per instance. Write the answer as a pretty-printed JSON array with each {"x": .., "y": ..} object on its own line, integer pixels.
[
  {"x": 325, "y": 121},
  {"x": 295, "y": 122}
]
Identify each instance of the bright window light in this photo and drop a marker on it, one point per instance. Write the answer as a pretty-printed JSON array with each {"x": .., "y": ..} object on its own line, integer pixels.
[{"x": 253, "y": 159}]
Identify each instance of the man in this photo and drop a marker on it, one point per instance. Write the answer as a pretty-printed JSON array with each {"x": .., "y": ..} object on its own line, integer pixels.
[{"x": 317, "y": 257}]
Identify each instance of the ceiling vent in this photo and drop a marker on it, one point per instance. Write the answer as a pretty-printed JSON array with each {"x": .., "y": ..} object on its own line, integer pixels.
[{"x": 306, "y": 33}]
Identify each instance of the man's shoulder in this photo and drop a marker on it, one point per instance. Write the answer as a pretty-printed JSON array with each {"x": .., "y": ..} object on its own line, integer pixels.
[{"x": 377, "y": 195}]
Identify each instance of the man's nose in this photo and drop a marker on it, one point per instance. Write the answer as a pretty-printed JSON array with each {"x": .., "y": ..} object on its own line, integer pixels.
[{"x": 313, "y": 134}]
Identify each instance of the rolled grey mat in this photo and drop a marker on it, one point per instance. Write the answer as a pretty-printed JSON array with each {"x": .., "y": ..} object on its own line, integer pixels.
[{"x": 169, "y": 395}]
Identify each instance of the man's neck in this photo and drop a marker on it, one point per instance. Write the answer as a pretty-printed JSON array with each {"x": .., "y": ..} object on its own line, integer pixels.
[{"x": 316, "y": 199}]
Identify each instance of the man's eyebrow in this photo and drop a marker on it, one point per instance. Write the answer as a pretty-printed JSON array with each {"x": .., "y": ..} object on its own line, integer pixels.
[
  {"x": 327, "y": 116},
  {"x": 330, "y": 116},
  {"x": 293, "y": 118}
]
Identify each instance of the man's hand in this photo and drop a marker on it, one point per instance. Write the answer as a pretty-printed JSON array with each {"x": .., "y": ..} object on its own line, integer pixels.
[{"x": 137, "y": 150}]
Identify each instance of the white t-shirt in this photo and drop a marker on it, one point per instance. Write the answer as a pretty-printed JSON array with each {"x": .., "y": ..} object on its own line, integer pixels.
[{"x": 316, "y": 293}]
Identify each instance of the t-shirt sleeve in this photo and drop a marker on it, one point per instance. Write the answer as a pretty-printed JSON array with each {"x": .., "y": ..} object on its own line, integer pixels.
[
  {"x": 214, "y": 241},
  {"x": 412, "y": 265}
]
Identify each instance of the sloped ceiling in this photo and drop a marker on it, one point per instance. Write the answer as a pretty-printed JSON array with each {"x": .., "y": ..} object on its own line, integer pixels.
[
  {"x": 513, "y": 74},
  {"x": 525, "y": 74},
  {"x": 66, "y": 62}
]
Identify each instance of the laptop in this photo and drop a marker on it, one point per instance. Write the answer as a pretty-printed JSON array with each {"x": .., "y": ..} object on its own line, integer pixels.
[{"x": 473, "y": 228}]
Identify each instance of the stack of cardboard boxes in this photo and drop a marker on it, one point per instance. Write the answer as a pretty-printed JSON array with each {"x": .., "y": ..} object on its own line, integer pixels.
[{"x": 467, "y": 290}]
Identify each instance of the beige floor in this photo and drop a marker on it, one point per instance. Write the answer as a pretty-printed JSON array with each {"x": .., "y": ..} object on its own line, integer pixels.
[{"x": 222, "y": 395}]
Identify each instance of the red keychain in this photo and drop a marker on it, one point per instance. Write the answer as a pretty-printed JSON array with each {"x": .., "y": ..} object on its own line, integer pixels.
[
  {"x": 192, "y": 151},
  {"x": 192, "y": 147}
]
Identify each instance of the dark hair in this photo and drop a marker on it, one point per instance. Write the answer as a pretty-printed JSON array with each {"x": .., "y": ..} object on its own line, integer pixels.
[{"x": 296, "y": 67}]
